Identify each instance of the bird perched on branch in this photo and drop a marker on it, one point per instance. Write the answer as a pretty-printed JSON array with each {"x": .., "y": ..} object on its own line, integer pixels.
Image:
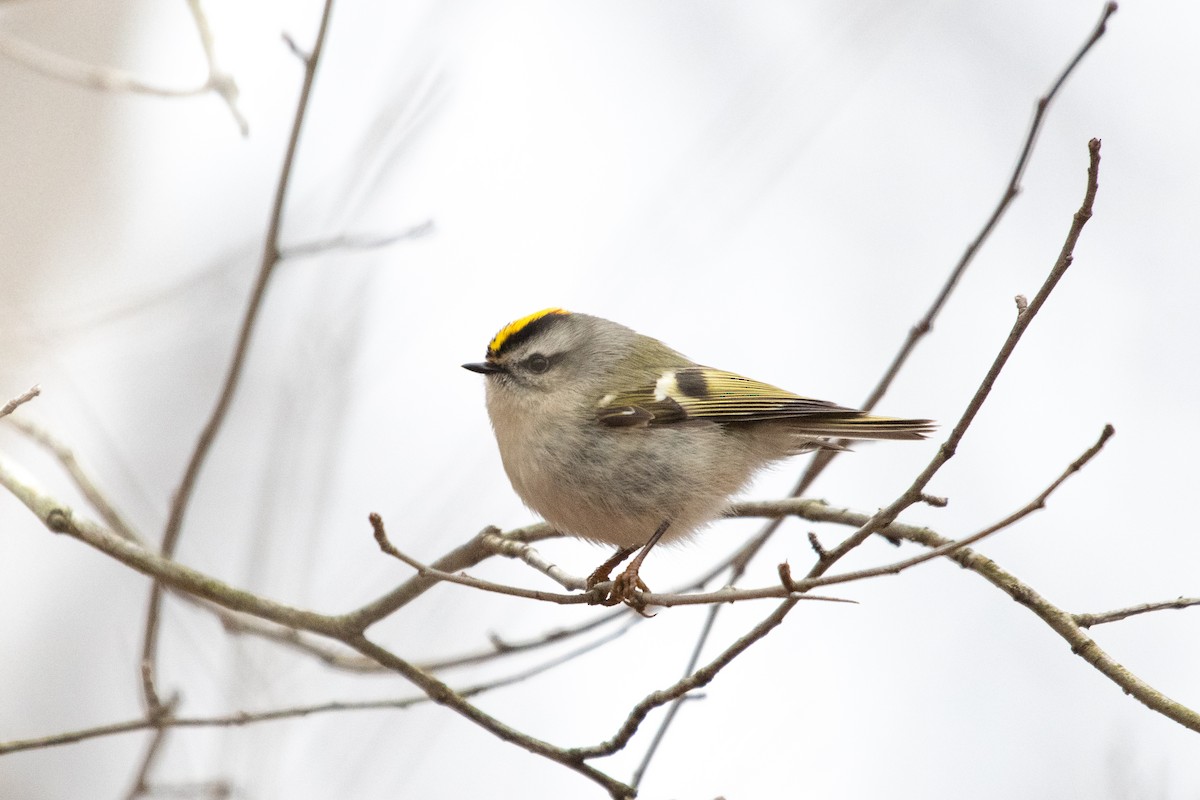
[{"x": 614, "y": 437}]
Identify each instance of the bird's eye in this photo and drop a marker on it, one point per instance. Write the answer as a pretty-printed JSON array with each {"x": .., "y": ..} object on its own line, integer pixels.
[{"x": 537, "y": 363}]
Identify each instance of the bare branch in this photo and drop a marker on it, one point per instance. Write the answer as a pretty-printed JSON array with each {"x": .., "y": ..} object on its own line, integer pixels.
[
  {"x": 1064, "y": 625},
  {"x": 505, "y": 546},
  {"x": 91, "y": 492},
  {"x": 695, "y": 680},
  {"x": 241, "y": 718},
  {"x": 71, "y": 737},
  {"x": 443, "y": 695},
  {"x": 68, "y": 70},
  {"x": 460, "y": 558},
  {"x": 107, "y": 79},
  {"x": 268, "y": 261},
  {"x": 295, "y": 48},
  {"x": 465, "y": 580},
  {"x": 1088, "y": 620},
  {"x": 347, "y": 242},
  {"x": 141, "y": 782},
  {"x": 60, "y": 519},
  {"x": 233, "y": 622},
  {"x": 822, "y": 458},
  {"x": 243, "y": 624},
  {"x": 20, "y": 400},
  {"x": 923, "y": 326},
  {"x": 1036, "y": 504},
  {"x": 710, "y": 619},
  {"x": 504, "y": 647},
  {"x": 911, "y": 495},
  {"x": 219, "y": 81},
  {"x": 352, "y": 662},
  {"x": 591, "y": 597}
]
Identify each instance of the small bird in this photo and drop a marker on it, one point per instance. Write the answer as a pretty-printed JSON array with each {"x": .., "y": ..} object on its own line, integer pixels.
[{"x": 613, "y": 437}]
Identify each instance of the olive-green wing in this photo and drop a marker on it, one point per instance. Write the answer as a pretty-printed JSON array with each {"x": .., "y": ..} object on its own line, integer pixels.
[{"x": 703, "y": 393}]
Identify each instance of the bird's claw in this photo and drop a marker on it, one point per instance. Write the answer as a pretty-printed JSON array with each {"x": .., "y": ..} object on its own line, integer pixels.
[{"x": 625, "y": 589}]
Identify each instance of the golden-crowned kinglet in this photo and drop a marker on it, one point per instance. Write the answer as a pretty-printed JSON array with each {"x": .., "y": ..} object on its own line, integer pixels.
[{"x": 614, "y": 437}]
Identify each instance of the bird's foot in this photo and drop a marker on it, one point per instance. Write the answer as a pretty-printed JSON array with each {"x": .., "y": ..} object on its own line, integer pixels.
[
  {"x": 625, "y": 589},
  {"x": 601, "y": 573}
]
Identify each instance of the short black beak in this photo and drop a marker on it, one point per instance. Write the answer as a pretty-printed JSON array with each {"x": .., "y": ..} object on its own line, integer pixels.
[{"x": 484, "y": 368}]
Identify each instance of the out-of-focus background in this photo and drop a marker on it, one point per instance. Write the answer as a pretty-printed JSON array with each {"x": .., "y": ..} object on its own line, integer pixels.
[{"x": 775, "y": 188}]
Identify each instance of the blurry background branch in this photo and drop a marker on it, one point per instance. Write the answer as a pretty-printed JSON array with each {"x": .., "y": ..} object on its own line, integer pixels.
[
  {"x": 269, "y": 259},
  {"x": 109, "y": 79},
  {"x": 19, "y": 400}
]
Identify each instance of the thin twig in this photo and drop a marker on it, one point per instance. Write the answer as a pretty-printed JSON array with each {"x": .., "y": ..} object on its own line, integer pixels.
[
  {"x": 20, "y": 400},
  {"x": 1064, "y": 624},
  {"x": 71, "y": 737},
  {"x": 443, "y": 695},
  {"x": 822, "y": 458},
  {"x": 82, "y": 480},
  {"x": 141, "y": 781},
  {"x": 1036, "y": 504},
  {"x": 462, "y": 557},
  {"x": 69, "y": 70},
  {"x": 295, "y": 48},
  {"x": 913, "y": 494},
  {"x": 665, "y": 600},
  {"x": 347, "y": 242},
  {"x": 1088, "y": 620},
  {"x": 352, "y": 662},
  {"x": 1061, "y": 622},
  {"x": 219, "y": 81},
  {"x": 242, "y": 624},
  {"x": 268, "y": 261},
  {"x": 232, "y": 621},
  {"x": 916, "y": 492},
  {"x": 524, "y": 551},
  {"x": 59, "y": 519},
  {"x": 923, "y": 326},
  {"x": 241, "y": 718},
  {"x": 386, "y": 546},
  {"x": 506, "y": 647},
  {"x": 710, "y": 619},
  {"x": 695, "y": 680},
  {"x": 108, "y": 79}
]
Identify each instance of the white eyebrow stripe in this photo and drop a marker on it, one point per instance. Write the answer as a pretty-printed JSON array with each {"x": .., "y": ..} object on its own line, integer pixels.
[{"x": 665, "y": 386}]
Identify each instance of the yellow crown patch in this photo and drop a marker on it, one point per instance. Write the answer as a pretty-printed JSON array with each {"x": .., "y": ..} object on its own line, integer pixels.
[{"x": 515, "y": 327}]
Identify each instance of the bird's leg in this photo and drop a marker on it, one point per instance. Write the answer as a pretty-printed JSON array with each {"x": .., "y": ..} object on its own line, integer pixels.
[
  {"x": 628, "y": 581},
  {"x": 600, "y": 575}
]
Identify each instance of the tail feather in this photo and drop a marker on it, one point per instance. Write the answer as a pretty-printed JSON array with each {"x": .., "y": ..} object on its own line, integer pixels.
[{"x": 861, "y": 426}]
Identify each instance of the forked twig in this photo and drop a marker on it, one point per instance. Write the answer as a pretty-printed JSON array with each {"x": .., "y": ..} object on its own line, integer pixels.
[
  {"x": 1025, "y": 317},
  {"x": 739, "y": 561},
  {"x": 822, "y": 458},
  {"x": 924, "y": 325},
  {"x": 268, "y": 261},
  {"x": 108, "y": 79}
]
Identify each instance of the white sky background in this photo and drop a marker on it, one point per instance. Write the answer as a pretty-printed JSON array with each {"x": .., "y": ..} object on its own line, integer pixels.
[{"x": 774, "y": 188}]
